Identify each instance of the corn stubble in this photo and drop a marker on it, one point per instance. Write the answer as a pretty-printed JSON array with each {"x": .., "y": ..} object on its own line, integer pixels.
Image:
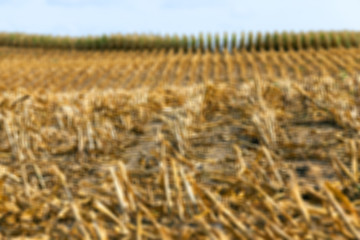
[{"x": 175, "y": 144}]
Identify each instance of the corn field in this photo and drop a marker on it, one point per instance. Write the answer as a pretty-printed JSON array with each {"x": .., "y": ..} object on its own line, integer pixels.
[
  {"x": 59, "y": 70},
  {"x": 209, "y": 42},
  {"x": 258, "y": 140}
]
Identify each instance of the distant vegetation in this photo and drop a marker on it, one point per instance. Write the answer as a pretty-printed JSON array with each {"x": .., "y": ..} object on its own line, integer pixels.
[{"x": 244, "y": 41}]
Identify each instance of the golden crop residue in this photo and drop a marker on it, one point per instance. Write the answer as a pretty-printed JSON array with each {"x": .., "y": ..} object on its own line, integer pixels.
[
  {"x": 173, "y": 144},
  {"x": 64, "y": 70}
]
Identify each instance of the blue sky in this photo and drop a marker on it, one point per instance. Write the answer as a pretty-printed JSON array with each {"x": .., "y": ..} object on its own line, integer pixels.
[{"x": 93, "y": 17}]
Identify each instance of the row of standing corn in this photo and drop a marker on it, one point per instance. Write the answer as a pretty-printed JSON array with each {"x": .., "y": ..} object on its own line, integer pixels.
[{"x": 209, "y": 42}]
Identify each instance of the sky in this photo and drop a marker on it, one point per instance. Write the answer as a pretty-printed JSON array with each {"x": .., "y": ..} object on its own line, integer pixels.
[{"x": 95, "y": 17}]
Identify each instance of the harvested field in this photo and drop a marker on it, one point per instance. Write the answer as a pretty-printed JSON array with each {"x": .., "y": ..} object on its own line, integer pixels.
[
  {"x": 174, "y": 145},
  {"x": 68, "y": 70}
]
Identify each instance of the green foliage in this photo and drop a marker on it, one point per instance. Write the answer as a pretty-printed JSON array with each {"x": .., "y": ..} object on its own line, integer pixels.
[
  {"x": 285, "y": 41},
  {"x": 175, "y": 42},
  {"x": 193, "y": 43},
  {"x": 185, "y": 43},
  {"x": 242, "y": 41},
  {"x": 225, "y": 41},
  {"x": 217, "y": 42},
  {"x": 201, "y": 42},
  {"x": 268, "y": 41},
  {"x": 259, "y": 41},
  {"x": 233, "y": 41},
  {"x": 250, "y": 45},
  {"x": 209, "y": 42},
  {"x": 271, "y": 41},
  {"x": 276, "y": 41}
]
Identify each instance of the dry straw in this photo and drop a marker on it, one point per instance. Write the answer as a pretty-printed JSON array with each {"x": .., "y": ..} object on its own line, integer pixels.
[{"x": 181, "y": 145}]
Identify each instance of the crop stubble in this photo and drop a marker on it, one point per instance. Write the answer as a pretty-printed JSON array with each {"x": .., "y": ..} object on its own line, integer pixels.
[{"x": 174, "y": 145}]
